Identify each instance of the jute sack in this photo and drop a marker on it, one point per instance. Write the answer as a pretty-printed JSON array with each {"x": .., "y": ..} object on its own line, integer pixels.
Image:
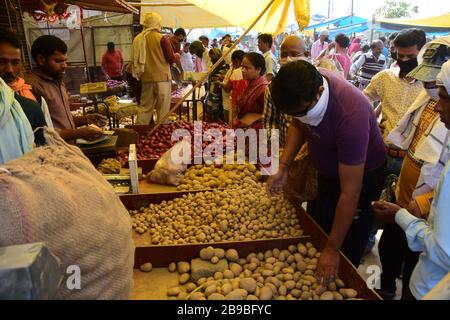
[
  {"x": 54, "y": 195},
  {"x": 301, "y": 185}
]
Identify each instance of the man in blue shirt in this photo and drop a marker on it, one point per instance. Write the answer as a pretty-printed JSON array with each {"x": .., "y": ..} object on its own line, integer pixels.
[
  {"x": 430, "y": 236},
  {"x": 385, "y": 51}
]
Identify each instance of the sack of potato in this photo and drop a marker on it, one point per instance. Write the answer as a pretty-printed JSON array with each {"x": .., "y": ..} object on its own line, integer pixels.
[{"x": 54, "y": 195}]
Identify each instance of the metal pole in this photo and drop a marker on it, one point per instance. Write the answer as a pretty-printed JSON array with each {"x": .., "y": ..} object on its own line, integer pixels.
[
  {"x": 200, "y": 82},
  {"x": 329, "y": 8},
  {"x": 372, "y": 29},
  {"x": 88, "y": 74},
  {"x": 352, "y": 13}
]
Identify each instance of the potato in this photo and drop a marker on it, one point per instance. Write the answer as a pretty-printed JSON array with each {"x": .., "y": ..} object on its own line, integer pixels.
[
  {"x": 340, "y": 283},
  {"x": 214, "y": 260},
  {"x": 235, "y": 283},
  {"x": 210, "y": 290},
  {"x": 226, "y": 289},
  {"x": 173, "y": 292},
  {"x": 312, "y": 252},
  {"x": 348, "y": 293},
  {"x": 251, "y": 297},
  {"x": 197, "y": 296},
  {"x": 228, "y": 274},
  {"x": 301, "y": 248},
  {"x": 320, "y": 290},
  {"x": 296, "y": 293},
  {"x": 305, "y": 295},
  {"x": 290, "y": 284},
  {"x": 216, "y": 296},
  {"x": 218, "y": 275},
  {"x": 184, "y": 278},
  {"x": 182, "y": 296},
  {"x": 276, "y": 252},
  {"x": 234, "y": 295},
  {"x": 190, "y": 287},
  {"x": 183, "y": 267},
  {"x": 219, "y": 252},
  {"x": 236, "y": 269},
  {"x": 271, "y": 260},
  {"x": 337, "y": 296},
  {"x": 251, "y": 266},
  {"x": 207, "y": 253},
  {"x": 282, "y": 290},
  {"x": 232, "y": 255},
  {"x": 267, "y": 273},
  {"x": 327, "y": 295},
  {"x": 146, "y": 267},
  {"x": 265, "y": 293},
  {"x": 332, "y": 286},
  {"x": 248, "y": 284}
]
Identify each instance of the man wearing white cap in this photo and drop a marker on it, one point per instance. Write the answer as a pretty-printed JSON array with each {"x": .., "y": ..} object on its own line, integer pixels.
[
  {"x": 429, "y": 236},
  {"x": 152, "y": 55},
  {"x": 319, "y": 45}
]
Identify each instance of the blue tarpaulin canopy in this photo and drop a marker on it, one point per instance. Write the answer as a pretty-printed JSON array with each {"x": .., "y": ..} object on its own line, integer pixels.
[
  {"x": 354, "y": 28},
  {"x": 339, "y": 22}
]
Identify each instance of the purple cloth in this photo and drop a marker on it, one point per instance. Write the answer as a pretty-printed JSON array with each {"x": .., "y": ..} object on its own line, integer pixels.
[{"x": 349, "y": 132}]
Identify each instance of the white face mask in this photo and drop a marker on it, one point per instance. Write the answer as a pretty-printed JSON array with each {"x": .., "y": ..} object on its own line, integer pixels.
[
  {"x": 284, "y": 61},
  {"x": 433, "y": 93},
  {"x": 315, "y": 116}
]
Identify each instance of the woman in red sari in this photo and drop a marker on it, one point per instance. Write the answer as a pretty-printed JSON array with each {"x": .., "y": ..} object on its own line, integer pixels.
[{"x": 250, "y": 104}]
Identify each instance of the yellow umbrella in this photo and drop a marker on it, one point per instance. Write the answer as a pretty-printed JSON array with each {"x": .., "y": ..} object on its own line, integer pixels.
[{"x": 229, "y": 13}]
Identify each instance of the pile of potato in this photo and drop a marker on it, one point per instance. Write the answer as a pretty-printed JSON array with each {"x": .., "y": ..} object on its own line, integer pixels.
[
  {"x": 245, "y": 213},
  {"x": 275, "y": 274},
  {"x": 200, "y": 177},
  {"x": 109, "y": 166}
]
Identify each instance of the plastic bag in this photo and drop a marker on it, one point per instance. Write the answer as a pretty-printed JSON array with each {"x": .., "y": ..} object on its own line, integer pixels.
[
  {"x": 166, "y": 170},
  {"x": 329, "y": 62}
]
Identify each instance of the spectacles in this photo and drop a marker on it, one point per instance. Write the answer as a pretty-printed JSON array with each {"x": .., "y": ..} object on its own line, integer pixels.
[{"x": 305, "y": 111}]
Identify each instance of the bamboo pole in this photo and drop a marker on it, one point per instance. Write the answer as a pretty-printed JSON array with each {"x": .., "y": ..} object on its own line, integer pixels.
[{"x": 200, "y": 82}]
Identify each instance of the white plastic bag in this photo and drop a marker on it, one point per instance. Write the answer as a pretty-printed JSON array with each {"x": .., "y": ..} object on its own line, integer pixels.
[{"x": 169, "y": 169}]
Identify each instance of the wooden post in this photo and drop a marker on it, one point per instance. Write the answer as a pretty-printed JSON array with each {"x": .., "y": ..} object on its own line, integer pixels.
[
  {"x": 83, "y": 42},
  {"x": 200, "y": 82}
]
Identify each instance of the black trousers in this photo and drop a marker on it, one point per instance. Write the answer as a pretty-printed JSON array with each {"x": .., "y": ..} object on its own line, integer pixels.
[
  {"x": 396, "y": 258},
  {"x": 325, "y": 206}
]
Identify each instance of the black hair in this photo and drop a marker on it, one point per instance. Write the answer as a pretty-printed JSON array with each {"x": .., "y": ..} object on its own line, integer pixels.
[
  {"x": 257, "y": 60},
  {"x": 10, "y": 38},
  {"x": 410, "y": 37},
  {"x": 180, "y": 32},
  {"x": 111, "y": 44},
  {"x": 295, "y": 83},
  {"x": 187, "y": 43},
  {"x": 46, "y": 46},
  {"x": 266, "y": 38},
  {"x": 225, "y": 36},
  {"x": 342, "y": 40},
  {"x": 365, "y": 48},
  {"x": 392, "y": 36},
  {"x": 382, "y": 39},
  {"x": 197, "y": 48},
  {"x": 238, "y": 55},
  {"x": 203, "y": 38}
]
